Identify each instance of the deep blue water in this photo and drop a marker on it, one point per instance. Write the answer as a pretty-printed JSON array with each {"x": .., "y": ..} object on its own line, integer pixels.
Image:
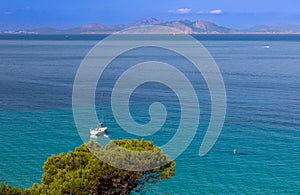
[{"x": 262, "y": 120}]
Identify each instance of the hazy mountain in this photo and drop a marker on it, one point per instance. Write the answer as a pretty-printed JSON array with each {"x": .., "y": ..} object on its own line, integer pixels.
[
  {"x": 185, "y": 26},
  {"x": 276, "y": 28},
  {"x": 146, "y": 21}
]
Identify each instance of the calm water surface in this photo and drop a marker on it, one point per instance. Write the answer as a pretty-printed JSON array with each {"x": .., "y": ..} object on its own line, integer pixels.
[{"x": 262, "y": 121}]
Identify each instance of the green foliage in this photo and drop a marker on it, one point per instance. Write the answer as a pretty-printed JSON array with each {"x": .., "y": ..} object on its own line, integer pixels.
[
  {"x": 7, "y": 189},
  {"x": 135, "y": 163}
]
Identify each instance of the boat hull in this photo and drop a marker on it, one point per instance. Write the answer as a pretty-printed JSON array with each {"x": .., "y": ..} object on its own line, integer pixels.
[{"x": 97, "y": 131}]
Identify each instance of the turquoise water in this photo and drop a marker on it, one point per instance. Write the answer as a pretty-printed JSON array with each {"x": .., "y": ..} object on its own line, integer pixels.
[{"x": 262, "y": 121}]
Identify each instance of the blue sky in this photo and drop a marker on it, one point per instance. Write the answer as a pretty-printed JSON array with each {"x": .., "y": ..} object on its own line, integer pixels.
[{"x": 18, "y": 14}]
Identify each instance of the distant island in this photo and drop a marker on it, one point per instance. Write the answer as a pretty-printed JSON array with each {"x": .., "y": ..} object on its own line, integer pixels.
[{"x": 186, "y": 26}]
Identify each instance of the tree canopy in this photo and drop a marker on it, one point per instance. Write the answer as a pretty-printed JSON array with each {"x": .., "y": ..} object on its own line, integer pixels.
[{"x": 122, "y": 167}]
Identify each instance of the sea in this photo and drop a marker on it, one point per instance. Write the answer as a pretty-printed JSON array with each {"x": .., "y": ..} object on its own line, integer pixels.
[{"x": 261, "y": 74}]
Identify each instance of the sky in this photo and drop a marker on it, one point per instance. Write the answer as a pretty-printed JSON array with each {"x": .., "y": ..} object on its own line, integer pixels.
[{"x": 24, "y": 14}]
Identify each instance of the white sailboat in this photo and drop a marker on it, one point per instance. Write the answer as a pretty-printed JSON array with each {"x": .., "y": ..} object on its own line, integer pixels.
[{"x": 100, "y": 129}]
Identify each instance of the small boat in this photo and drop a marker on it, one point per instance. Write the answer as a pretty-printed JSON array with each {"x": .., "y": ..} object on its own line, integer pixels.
[{"x": 98, "y": 130}]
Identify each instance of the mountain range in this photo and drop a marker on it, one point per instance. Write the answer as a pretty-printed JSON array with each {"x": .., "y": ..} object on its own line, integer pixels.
[{"x": 185, "y": 26}]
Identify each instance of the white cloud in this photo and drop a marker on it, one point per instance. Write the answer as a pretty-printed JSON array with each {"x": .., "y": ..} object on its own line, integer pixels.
[
  {"x": 216, "y": 11},
  {"x": 181, "y": 11}
]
